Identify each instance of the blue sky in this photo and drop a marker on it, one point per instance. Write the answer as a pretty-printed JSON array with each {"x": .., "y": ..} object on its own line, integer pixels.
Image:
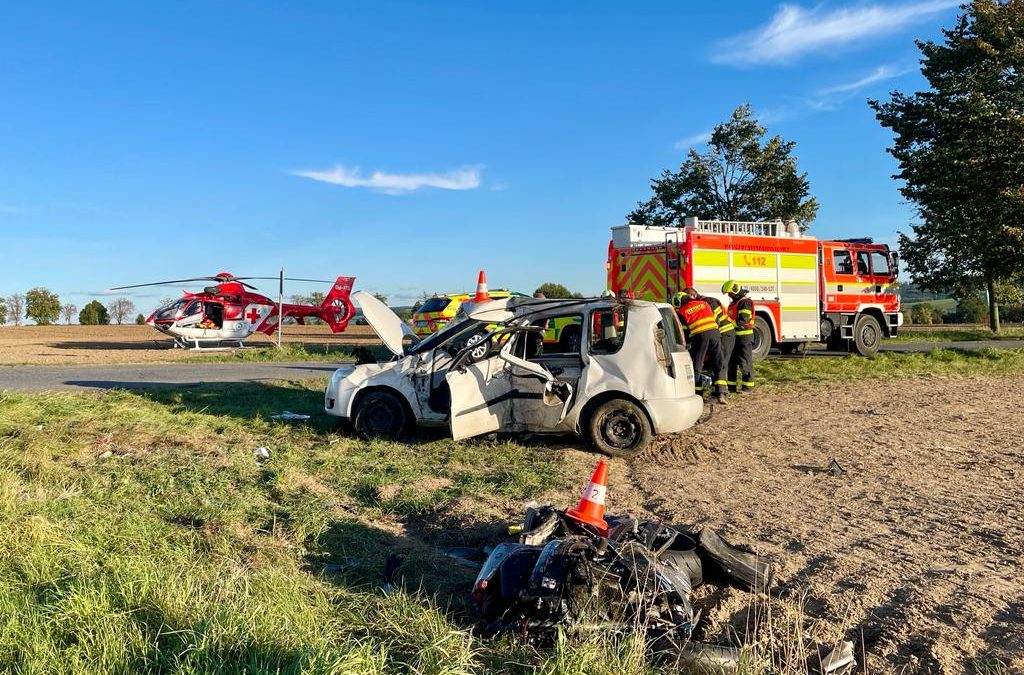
[{"x": 410, "y": 144}]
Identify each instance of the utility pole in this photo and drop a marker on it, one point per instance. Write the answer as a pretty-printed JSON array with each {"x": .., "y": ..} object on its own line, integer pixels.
[{"x": 280, "y": 309}]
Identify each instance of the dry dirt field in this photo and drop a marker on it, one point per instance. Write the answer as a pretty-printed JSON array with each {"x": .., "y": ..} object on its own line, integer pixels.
[
  {"x": 916, "y": 553},
  {"x": 55, "y": 345}
]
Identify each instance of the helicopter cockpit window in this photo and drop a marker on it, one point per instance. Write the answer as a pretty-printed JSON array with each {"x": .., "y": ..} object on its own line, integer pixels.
[
  {"x": 170, "y": 311},
  {"x": 194, "y": 308}
]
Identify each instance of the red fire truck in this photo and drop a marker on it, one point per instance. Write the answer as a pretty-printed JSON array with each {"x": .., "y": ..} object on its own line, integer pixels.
[{"x": 841, "y": 292}]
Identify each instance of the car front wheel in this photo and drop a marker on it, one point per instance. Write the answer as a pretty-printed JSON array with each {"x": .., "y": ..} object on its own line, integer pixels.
[
  {"x": 618, "y": 428},
  {"x": 380, "y": 414}
]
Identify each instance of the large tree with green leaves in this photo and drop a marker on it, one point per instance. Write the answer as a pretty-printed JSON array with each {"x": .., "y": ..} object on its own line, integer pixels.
[
  {"x": 94, "y": 314},
  {"x": 960, "y": 148},
  {"x": 550, "y": 289},
  {"x": 741, "y": 176},
  {"x": 42, "y": 306}
]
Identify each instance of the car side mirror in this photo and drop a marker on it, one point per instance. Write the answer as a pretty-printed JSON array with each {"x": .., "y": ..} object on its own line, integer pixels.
[{"x": 895, "y": 263}]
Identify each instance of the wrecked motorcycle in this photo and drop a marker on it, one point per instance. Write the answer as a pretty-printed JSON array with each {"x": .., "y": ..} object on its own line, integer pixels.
[{"x": 635, "y": 576}]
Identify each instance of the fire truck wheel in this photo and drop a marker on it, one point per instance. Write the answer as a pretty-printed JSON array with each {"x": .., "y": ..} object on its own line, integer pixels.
[
  {"x": 618, "y": 428},
  {"x": 762, "y": 338},
  {"x": 380, "y": 414},
  {"x": 867, "y": 335}
]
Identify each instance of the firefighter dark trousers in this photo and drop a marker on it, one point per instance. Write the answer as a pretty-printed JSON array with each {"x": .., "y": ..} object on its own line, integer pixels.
[
  {"x": 707, "y": 344},
  {"x": 741, "y": 364},
  {"x": 728, "y": 344}
]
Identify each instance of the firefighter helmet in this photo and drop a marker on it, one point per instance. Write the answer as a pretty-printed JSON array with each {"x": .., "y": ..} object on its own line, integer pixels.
[
  {"x": 731, "y": 286},
  {"x": 679, "y": 299}
]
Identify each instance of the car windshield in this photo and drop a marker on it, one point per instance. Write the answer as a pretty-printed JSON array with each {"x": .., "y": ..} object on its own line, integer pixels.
[
  {"x": 434, "y": 305},
  {"x": 450, "y": 332}
]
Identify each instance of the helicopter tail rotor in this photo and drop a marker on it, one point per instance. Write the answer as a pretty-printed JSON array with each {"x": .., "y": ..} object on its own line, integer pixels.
[{"x": 337, "y": 308}]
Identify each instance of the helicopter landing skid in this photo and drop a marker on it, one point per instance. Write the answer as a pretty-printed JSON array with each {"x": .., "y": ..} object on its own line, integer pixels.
[{"x": 198, "y": 345}]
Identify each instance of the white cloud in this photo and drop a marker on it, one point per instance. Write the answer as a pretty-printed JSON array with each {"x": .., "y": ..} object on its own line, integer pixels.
[
  {"x": 795, "y": 31},
  {"x": 464, "y": 178},
  {"x": 690, "y": 141},
  {"x": 879, "y": 74}
]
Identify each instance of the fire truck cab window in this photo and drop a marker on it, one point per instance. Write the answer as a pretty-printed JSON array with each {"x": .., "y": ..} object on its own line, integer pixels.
[
  {"x": 607, "y": 331},
  {"x": 863, "y": 263},
  {"x": 880, "y": 263},
  {"x": 841, "y": 261}
]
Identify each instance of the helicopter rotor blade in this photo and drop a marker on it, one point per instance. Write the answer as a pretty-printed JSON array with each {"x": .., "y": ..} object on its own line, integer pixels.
[
  {"x": 164, "y": 283},
  {"x": 315, "y": 281}
]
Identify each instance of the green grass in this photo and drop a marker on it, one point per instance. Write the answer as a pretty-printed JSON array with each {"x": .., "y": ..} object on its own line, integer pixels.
[
  {"x": 139, "y": 533},
  {"x": 291, "y": 352},
  {"x": 957, "y": 334},
  {"x": 945, "y": 362},
  {"x": 943, "y": 304}
]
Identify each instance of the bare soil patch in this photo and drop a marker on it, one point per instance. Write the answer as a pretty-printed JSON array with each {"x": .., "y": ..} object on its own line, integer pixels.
[
  {"x": 915, "y": 553},
  {"x": 55, "y": 345}
]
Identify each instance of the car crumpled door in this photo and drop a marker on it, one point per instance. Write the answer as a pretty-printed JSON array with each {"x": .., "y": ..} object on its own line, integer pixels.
[{"x": 481, "y": 394}]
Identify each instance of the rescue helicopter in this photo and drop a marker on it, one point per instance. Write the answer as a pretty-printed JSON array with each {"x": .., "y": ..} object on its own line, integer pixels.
[{"x": 230, "y": 311}]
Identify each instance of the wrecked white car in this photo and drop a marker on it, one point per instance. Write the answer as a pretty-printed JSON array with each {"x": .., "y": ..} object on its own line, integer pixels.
[{"x": 614, "y": 371}]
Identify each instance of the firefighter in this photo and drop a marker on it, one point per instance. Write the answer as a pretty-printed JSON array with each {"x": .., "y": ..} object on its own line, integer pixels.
[
  {"x": 702, "y": 335},
  {"x": 741, "y": 311},
  {"x": 727, "y": 328}
]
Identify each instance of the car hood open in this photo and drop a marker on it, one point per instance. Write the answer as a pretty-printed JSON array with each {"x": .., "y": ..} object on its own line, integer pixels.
[{"x": 385, "y": 323}]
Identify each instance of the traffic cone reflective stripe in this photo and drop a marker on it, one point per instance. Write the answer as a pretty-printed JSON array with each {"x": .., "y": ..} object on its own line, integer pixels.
[
  {"x": 482, "y": 294},
  {"x": 590, "y": 510}
]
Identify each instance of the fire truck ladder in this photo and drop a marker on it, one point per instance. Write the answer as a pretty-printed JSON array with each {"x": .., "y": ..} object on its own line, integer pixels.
[{"x": 771, "y": 228}]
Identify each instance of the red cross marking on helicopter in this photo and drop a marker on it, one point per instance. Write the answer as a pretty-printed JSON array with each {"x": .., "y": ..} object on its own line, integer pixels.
[{"x": 253, "y": 315}]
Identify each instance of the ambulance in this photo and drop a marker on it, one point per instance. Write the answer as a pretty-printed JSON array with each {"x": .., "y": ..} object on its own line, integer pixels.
[
  {"x": 439, "y": 310},
  {"x": 841, "y": 292}
]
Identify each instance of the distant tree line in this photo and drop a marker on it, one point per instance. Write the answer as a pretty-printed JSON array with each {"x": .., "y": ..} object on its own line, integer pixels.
[{"x": 44, "y": 307}]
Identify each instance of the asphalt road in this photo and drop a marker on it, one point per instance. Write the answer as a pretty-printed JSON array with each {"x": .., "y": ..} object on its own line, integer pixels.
[{"x": 50, "y": 378}]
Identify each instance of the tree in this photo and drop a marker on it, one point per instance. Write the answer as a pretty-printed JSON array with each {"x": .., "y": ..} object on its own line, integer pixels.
[
  {"x": 960, "y": 149},
  {"x": 94, "y": 314},
  {"x": 552, "y": 290},
  {"x": 742, "y": 176},
  {"x": 120, "y": 309},
  {"x": 67, "y": 312},
  {"x": 3, "y": 313},
  {"x": 140, "y": 319},
  {"x": 380, "y": 296},
  {"x": 921, "y": 313},
  {"x": 15, "y": 305},
  {"x": 42, "y": 306}
]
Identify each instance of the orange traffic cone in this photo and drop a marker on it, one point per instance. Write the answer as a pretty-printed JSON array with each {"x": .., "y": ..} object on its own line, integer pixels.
[
  {"x": 482, "y": 294},
  {"x": 591, "y": 507}
]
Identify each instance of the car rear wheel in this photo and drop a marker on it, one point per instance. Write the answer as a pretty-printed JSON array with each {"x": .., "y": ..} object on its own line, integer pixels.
[
  {"x": 618, "y": 428},
  {"x": 381, "y": 414}
]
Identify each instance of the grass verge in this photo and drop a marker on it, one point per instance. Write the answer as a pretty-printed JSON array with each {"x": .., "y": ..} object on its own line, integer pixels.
[
  {"x": 945, "y": 362},
  {"x": 292, "y": 352},
  {"x": 957, "y": 335},
  {"x": 140, "y": 533}
]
